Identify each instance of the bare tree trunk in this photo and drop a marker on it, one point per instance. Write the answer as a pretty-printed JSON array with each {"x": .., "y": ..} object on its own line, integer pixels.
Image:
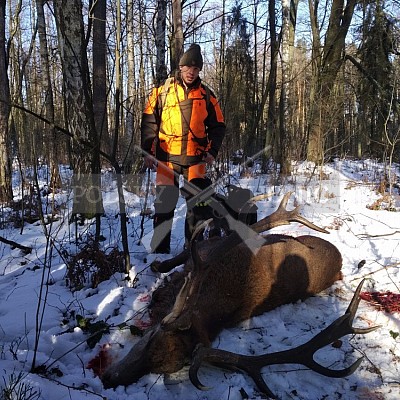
[
  {"x": 23, "y": 90},
  {"x": 131, "y": 87},
  {"x": 5, "y": 160},
  {"x": 134, "y": 102},
  {"x": 330, "y": 64},
  {"x": 132, "y": 133},
  {"x": 55, "y": 180},
  {"x": 79, "y": 108},
  {"x": 288, "y": 148},
  {"x": 221, "y": 83},
  {"x": 161, "y": 68},
  {"x": 177, "y": 37},
  {"x": 286, "y": 154},
  {"x": 100, "y": 70},
  {"x": 118, "y": 84},
  {"x": 99, "y": 90},
  {"x": 142, "y": 60},
  {"x": 271, "y": 136},
  {"x": 121, "y": 202},
  {"x": 253, "y": 139}
]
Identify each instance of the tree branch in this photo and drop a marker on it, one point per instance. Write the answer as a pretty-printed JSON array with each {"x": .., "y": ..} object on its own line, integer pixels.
[{"x": 25, "y": 249}]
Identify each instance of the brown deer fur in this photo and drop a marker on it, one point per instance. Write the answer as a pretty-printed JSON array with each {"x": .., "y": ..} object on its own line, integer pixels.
[{"x": 240, "y": 284}]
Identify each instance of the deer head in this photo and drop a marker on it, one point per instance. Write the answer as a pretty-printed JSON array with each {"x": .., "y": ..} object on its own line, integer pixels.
[{"x": 228, "y": 280}]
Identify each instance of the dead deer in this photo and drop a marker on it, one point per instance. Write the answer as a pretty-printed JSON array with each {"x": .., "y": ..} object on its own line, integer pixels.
[{"x": 228, "y": 280}]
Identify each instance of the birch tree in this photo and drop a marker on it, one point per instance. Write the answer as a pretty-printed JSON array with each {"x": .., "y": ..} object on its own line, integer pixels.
[
  {"x": 288, "y": 144},
  {"x": 79, "y": 108}
]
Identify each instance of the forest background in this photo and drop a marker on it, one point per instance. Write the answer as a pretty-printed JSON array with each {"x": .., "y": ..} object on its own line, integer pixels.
[
  {"x": 311, "y": 80},
  {"x": 296, "y": 81}
]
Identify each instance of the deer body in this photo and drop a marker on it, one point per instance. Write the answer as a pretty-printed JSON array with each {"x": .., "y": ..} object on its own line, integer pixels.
[{"x": 250, "y": 278}]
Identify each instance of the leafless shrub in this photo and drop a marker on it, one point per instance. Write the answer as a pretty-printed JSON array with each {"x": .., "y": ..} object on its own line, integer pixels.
[
  {"x": 16, "y": 389},
  {"x": 92, "y": 265},
  {"x": 385, "y": 202}
]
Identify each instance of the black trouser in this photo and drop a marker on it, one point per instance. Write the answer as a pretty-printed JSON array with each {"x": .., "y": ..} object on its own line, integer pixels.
[{"x": 165, "y": 204}]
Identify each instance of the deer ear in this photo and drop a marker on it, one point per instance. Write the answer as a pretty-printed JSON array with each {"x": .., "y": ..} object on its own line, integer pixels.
[{"x": 202, "y": 252}]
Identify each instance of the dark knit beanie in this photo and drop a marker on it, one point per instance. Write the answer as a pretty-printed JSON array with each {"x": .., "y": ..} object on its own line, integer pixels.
[{"x": 192, "y": 57}]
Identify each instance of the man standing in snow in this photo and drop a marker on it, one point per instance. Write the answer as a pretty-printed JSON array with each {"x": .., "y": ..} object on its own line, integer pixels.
[{"x": 182, "y": 131}]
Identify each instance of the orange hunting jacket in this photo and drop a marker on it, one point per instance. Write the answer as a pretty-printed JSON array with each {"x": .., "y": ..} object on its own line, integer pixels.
[{"x": 179, "y": 124}]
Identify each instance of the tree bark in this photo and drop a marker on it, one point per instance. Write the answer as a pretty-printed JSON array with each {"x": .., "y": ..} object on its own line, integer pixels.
[
  {"x": 286, "y": 154},
  {"x": 55, "y": 179},
  {"x": 161, "y": 68},
  {"x": 99, "y": 91},
  {"x": 100, "y": 70},
  {"x": 79, "y": 108},
  {"x": 271, "y": 134},
  {"x": 131, "y": 82},
  {"x": 5, "y": 161},
  {"x": 326, "y": 72},
  {"x": 25, "y": 249},
  {"x": 177, "y": 36}
]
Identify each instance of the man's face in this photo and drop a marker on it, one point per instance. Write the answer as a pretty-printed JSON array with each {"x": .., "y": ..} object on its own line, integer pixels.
[{"x": 189, "y": 74}]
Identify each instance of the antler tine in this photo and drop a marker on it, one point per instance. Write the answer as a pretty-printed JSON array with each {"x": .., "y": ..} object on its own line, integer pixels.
[
  {"x": 178, "y": 318},
  {"x": 242, "y": 232},
  {"x": 302, "y": 354},
  {"x": 352, "y": 309},
  {"x": 223, "y": 358},
  {"x": 249, "y": 203},
  {"x": 180, "y": 302},
  {"x": 337, "y": 329},
  {"x": 284, "y": 217}
]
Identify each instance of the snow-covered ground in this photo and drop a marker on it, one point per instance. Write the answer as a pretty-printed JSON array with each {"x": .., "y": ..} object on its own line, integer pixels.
[{"x": 41, "y": 319}]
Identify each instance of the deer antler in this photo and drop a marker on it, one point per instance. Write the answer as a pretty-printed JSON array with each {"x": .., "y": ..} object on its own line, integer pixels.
[
  {"x": 241, "y": 232},
  {"x": 281, "y": 216},
  {"x": 180, "y": 302},
  {"x": 188, "y": 294},
  {"x": 302, "y": 354}
]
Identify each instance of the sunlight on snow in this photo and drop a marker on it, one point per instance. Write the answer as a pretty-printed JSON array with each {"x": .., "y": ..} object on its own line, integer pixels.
[{"x": 113, "y": 294}]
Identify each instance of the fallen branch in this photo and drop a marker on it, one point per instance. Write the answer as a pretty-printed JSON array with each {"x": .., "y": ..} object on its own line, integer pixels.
[
  {"x": 367, "y": 236},
  {"x": 378, "y": 270},
  {"x": 25, "y": 249}
]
